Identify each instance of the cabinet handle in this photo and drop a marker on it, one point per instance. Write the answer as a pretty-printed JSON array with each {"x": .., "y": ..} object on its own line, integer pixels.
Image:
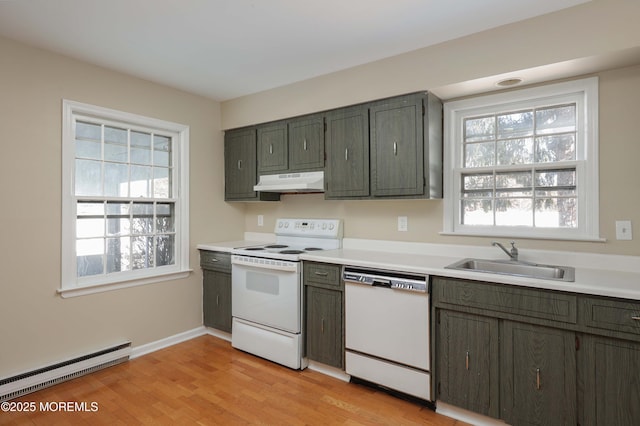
[
  {"x": 636, "y": 317},
  {"x": 270, "y": 148},
  {"x": 322, "y": 274},
  {"x": 395, "y": 148},
  {"x": 466, "y": 360},
  {"x": 304, "y": 144},
  {"x": 346, "y": 154},
  {"x": 239, "y": 164},
  {"x": 217, "y": 300},
  {"x": 538, "y": 378},
  {"x": 322, "y": 326}
]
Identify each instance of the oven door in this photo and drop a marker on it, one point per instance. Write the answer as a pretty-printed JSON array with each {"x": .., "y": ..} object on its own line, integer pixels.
[{"x": 267, "y": 292}]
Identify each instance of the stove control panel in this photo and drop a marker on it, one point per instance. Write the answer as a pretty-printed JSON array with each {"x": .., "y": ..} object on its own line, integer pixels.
[{"x": 317, "y": 228}]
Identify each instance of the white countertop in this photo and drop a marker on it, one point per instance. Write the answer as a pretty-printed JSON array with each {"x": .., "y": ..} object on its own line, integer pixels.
[
  {"x": 227, "y": 246},
  {"x": 596, "y": 274},
  {"x": 601, "y": 282}
]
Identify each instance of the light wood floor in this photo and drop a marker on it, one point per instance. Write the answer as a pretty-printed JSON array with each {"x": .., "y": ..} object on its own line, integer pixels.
[{"x": 205, "y": 381}]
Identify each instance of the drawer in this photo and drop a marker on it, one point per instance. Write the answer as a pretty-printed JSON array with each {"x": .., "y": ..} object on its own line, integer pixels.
[
  {"x": 215, "y": 260},
  {"x": 507, "y": 299},
  {"x": 607, "y": 314},
  {"x": 322, "y": 273}
]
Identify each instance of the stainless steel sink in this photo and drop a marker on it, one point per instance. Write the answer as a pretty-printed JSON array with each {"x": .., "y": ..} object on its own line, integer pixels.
[{"x": 516, "y": 268}]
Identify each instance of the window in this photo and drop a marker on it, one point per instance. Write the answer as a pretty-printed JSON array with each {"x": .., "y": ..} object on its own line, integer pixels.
[
  {"x": 524, "y": 163},
  {"x": 125, "y": 199}
]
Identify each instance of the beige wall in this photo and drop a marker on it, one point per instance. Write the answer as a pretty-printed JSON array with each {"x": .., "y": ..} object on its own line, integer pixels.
[
  {"x": 592, "y": 30},
  {"x": 619, "y": 194},
  {"x": 37, "y": 327}
]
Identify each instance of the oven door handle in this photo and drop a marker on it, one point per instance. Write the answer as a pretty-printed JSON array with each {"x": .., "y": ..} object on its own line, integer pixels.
[{"x": 259, "y": 263}]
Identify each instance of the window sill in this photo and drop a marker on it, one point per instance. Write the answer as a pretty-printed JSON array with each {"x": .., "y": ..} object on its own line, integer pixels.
[
  {"x": 101, "y": 288},
  {"x": 524, "y": 237}
]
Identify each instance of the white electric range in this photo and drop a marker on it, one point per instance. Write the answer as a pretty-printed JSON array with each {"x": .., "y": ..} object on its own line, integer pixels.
[{"x": 267, "y": 291}]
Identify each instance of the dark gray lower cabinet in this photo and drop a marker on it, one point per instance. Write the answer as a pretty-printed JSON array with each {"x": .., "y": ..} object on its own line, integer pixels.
[
  {"x": 611, "y": 377},
  {"x": 536, "y": 357},
  {"x": 538, "y": 367},
  {"x": 216, "y": 290},
  {"x": 467, "y": 362},
  {"x": 324, "y": 326},
  {"x": 324, "y": 319},
  {"x": 217, "y": 300}
]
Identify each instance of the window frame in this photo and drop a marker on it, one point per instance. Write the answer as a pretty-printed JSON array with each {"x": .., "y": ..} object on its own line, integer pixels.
[
  {"x": 72, "y": 285},
  {"x": 584, "y": 92}
]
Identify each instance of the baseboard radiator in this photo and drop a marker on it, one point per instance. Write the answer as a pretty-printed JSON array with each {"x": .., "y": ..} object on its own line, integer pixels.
[{"x": 32, "y": 381}]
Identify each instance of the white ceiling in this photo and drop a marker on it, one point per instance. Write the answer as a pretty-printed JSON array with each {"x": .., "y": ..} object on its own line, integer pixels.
[{"x": 223, "y": 49}]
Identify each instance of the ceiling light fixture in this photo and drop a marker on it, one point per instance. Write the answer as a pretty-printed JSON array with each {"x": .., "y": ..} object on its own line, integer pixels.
[{"x": 508, "y": 82}]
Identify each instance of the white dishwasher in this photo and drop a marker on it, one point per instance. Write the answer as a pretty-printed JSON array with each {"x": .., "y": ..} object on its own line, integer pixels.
[{"x": 387, "y": 329}]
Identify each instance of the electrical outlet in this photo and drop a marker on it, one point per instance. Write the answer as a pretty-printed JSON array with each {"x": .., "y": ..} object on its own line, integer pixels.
[
  {"x": 260, "y": 220},
  {"x": 403, "y": 223},
  {"x": 623, "y": 230}
]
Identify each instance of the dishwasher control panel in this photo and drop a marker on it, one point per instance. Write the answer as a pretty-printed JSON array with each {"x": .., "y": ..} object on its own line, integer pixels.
[{"x": 388, "y": 279}]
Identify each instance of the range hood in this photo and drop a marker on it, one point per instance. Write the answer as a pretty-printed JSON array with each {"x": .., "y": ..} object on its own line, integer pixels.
[{"x": 291, "y": 182}]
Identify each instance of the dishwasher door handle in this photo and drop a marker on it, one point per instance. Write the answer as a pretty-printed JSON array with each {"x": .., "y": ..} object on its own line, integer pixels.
[{"x": 381, "y": 283}]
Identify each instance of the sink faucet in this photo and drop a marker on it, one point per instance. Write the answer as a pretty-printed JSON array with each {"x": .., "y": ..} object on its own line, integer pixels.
[{"x": 513, "y": 253}]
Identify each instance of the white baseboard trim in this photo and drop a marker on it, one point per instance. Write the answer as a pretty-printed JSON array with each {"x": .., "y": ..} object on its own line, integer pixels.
[
  {"x": 327, "y": 370},
  {"x": 218, "y": 333},
  {"x": 167, "y": 341}
]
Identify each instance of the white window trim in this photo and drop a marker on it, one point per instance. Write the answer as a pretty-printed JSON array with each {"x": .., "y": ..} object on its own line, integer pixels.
[
  {"x": 585, "y": 93},
  {"x": 70, "y": 285}
]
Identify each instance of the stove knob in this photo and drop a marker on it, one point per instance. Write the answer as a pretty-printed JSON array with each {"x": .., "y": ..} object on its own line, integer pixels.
[
  {"x": 331, "y": 226},
  {"x": 286, "y": 224},
  {"x": 279, "y": 224},
  {"x": 324, "y": 226}
]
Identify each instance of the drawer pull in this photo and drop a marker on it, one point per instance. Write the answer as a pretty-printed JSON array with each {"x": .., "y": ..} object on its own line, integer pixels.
[
  {"x": 395, "y": 148},
  {"x": 466, "y": 360},
  {"x": 346, "y": 154},
  {"x": 538, "y": 378},
  {"x": 321, "y": 274},
  {"x": 322, "y": 326},
  {"x": 636, "y": 317},
  {"x": 270, "y": 148},
  {"x": 217, "y": 300},
  {"x": 213, "y": 260},
  {"x": 239, "y": 164},
  {"x": 304, "y": 144}
]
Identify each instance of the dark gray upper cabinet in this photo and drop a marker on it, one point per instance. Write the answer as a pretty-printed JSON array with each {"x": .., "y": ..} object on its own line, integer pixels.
[
  {"x": 240, "y": 164},
  {"x": 240, "y": 174},
  {"x": 406, "y": 146},
  {"x": 306, "y": 143},
  {"x": 272, "y": 148},
  {"x": 347, "y": 146}
]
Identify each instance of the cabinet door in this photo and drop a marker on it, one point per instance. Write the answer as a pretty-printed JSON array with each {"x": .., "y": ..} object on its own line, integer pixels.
[
  {"x": 324, "y": 326},
  {"x": 217, "y": 300},
  {"x": 611, "y": 375},
  {"x": 240, "y": 164},
  {"x": 397, "y": 148},
  {"x": 347, "y": 145},
  {"x": 538, "y": 367},
  {"x": 467, "y": 361},
  {"x": 306, "y": 144},
  {"x": 272, "y": 148}
]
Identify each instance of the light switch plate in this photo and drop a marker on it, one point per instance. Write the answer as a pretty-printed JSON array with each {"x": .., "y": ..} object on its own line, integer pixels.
[
  {"x": 403, "y": 223},
  {"x": 623, "y": 230}
]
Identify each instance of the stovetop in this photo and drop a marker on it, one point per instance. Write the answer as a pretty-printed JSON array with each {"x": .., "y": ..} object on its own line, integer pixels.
[{"x": 297, "y": 236}]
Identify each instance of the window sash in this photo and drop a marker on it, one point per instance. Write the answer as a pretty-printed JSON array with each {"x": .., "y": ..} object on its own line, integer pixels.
[
  {"x": 581, "y": 92},
  {"x": 173, "y": 139}
]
